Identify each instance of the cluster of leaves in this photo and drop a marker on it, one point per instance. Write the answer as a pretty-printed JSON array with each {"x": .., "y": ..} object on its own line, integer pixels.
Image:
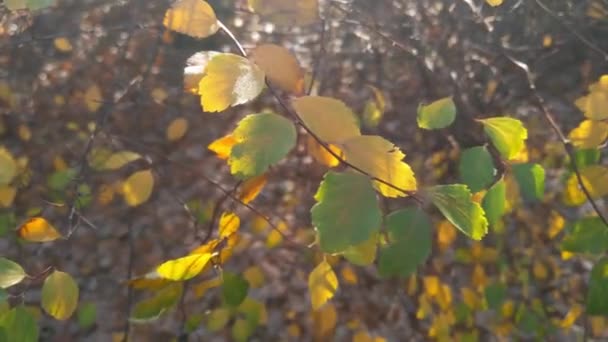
[{"x": 349, "y": 222}]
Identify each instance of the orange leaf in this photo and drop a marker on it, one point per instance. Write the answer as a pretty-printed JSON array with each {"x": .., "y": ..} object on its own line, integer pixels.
[
  {"x": 223, "y": 146},
  {"x": 38, "y": 229}
]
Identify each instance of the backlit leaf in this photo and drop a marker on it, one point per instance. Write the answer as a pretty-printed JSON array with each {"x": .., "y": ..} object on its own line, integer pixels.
[
  {"x": 286, "y": 13},
  {"x": 347, "y": 211},
  {"x": 38, "y": 229},
  {"x": 223, "y": 146},
  {"x": 280, "y": 66},
  {"x": 589, "y": 134},
  {"x": 381, "y": 159},
  {"x": 229, "y": 80},
  {"x": 251, "y": 188},
  {"x": 152, "y": 308},
  {"x": 598, "y": 289},
  {"x": 494, "y": 202},
  {"x": 322, "y": 284},
  {"x": 507, "y": 134},
  {"x": 87, "y": 315},
  {"x": 494, "y": 3},
  {"x": 184, "y": 268},
  {"x": 330, "y": 119},
  {"x": 409, "y": 242},
  {"x": 531, "y": 180},
  {"x": 229, "y": 224},
  {"x": 437, "y": 115},
  {"x": 456, "y": 204},
  {"x": 324, "y": 322},
  {"x": 19, "y": 324},
  {"x": 138, "y": 187},
  {"x": 588, "y": 235},
  {"x": 8, "y": 166},
  {"x": 364, "y": 253},
  {"x": 262, "y": 140},
  {"x": 11, "y": 273},
  {"x": 177, "y": 129},
  {"x": 59, "y": 295},
  {"x": 595, "y": 179},
  {"x": 195, "y": 69},
  {"x": 594, "y": 105},
  {"x": 320, "y": 154},
  {"x": 476, "y": 168},
  {"x": 195, "y": 18},
  {"x": 374, "y": 108},
  {"x": 234, "y": 289}
]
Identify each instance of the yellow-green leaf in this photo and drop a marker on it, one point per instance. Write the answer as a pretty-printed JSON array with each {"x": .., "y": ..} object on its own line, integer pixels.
[
  {"x": 184, "y": 268},
  {"x": 322, "y": 284},
  {"x": 437, "y": 115},
  {"x": 8, "y": 166},
  {"x": 229, "y": 80},
  {"x": 59, "y": 295},
  {"x": 330, "y": 119},
  {"x": 280, "y": 66},
  {"x": 374, "y": 108},
  {"x": 11, "y": 273},
  {"x": 7, "y": 195},
  {"x": 381, "y": 159},
  {"x": 152, "y": 308},
  {"x": 507, "y": 134},
  {"x": 38, "y": 229},
  {"x": 138, "y": 187},
  {"x": 595, "y": 179},
  {"x": 364, "y": 253},
  {"x": 262, "y": 140},
  {"x": 455, "y": 202},
  {"x": 177, "y": 129},
  {"x": 195, "y": 18},
  {"x": 494, "y": 3}
]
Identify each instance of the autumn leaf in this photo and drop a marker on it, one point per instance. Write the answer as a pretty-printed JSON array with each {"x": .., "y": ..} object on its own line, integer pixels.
[
  {"x": 11, "y": 273},
  {"x": 322, "y": 285},
  {"x": 59, "y": 295},
  {"x": 195, "y": 18},
  {"x": 330, "y": 119},
  {"x": 507, "y": 134},
  {"x": 38, "y": 229},
  {"x": 184, "y": 268},
  {"x": 286, "y": 13},
  {"x": 137, "y": 189},
  {"x": 223, "y": 146},
  {"x": 280, "y": 66},
  {"x": 437, "y": 115}
]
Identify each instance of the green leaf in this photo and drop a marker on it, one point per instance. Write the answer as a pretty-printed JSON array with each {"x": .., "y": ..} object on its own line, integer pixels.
[
  {"x": 586, "y": 157},
  {"x": 528, "y": 321},
  {"x": 19, "y": 325},
  {"x": 495, "y": 294},
  {"x": 8, "y": 166},
  {"x": 87, "y": 315},
  {"x": 531, "y": 180},
  {"x": 588, "y": 235},
  {"x": 494, "y": 202},
  {"x": 456, "y": 204},
  {"x": 263, "y": 139},
  {"x": 476, "y": 168},
  {"x": 61, "y": 179},
  {"x": 242, "y": 330},
  {"x": 11, "y": 273},
  {"x": 409, "y": 245},
  {"x": 59, "y": 295},
  {"x": 152, "y": 308},
  {"x": 507, "y": 134},
  {"x": 437, "y": 115},
  {"x": 234, "y": 289},
  {"x": 347, "y": 211},
  {"x": 598, "y": 289}
]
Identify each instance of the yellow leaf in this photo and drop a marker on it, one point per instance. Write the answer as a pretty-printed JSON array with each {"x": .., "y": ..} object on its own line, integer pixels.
[
  {"x": 201, "y": 288},
  {"x": 598, "y": 325},
  {"x": 556, "y": 224},
  {"x": 479, "y": 278},
  {"x": 494, "y": 3},
  {"x": 595, "y": 179},
  {"x": 251, "y": 188},
  {"x": 287, "y": 13},
  {"x": 470, "y": 298},
  {"x": 254, "y": 276},
  {"x": 183, "y": 268},
  {"x": 320, "y": 154},
  {"x": 112, "y": 161},
  {"x": 507, "y": 309},
  {"x": 364, "y": 336},
  {"x": 7, "y": 195},
  {"x": 222, "y": 146},
  {"x": 229, "y": 224},
  {"x": 540, "y": 270},
  {"x": 324, "y": 322},
  {"x": 374, "y": 108},
  {"x": 275, "y": 237},
  {"x": 446, "y": 234},
  {"x": 105, "y": 194},
  {"x": 348, "y": 275},
  {"x": 330, "y": 119},
  {"x": 62, "y": 44},
  {"x": 159, "y": 95},
  {"x": 59, "y": 295},
  {"x": 229, "y": 80},
  {"x": 24, "y": 133},
  {"x": 8, "y": 166},
  {"x": 381, "y": 159},
  {"x": 566, "y": 255},
  {"x": 195, "y": 18},
  {"x": 149, "y": 281},
  {"x": 93, "y": 98},
  {"x": 571, "y": 317},
  {"x": 138, "y": 187},
  {"x": 280, "y": 66},
  {"x": 195, "y": 69},
  {"x": 594, "y": 105},
  {"x": 444, "y": 298},
  {"x": 38, "y": 229},
  {"x": 431, "y": 286},
  {"x": 322, "y": 284},
  {"x": 589, "y": 134}
]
